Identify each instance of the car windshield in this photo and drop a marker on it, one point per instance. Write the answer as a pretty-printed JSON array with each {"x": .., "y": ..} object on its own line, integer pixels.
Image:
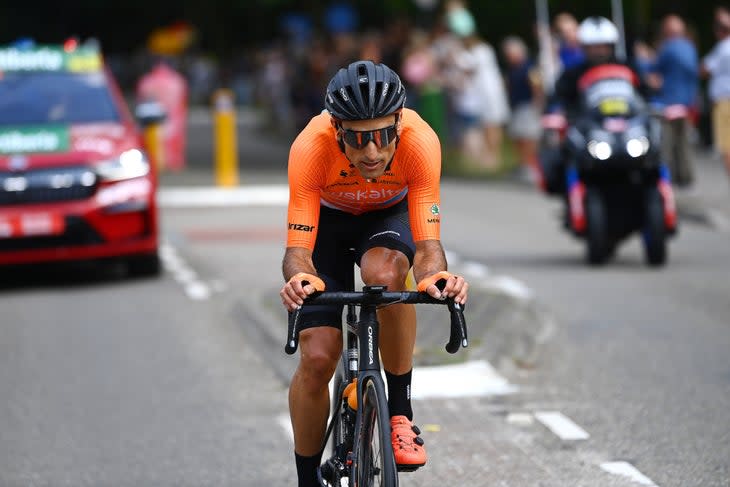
[{"x": 55, "y": 97}]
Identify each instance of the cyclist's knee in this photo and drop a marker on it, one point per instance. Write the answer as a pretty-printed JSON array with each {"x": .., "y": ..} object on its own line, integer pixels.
[
  {"x": 387, "y": 276},
  {"x": 392, "y": 270},
  {"x": 320, "y": 352}
]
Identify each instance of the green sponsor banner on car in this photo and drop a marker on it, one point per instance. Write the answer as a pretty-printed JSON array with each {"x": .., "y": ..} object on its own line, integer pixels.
[
  {"x": 47, "y": 138},
  {"x": 49, "y": 58}
]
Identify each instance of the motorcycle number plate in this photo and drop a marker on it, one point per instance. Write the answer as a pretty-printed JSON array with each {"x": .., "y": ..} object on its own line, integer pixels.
[{"x": 613, "y": 106}]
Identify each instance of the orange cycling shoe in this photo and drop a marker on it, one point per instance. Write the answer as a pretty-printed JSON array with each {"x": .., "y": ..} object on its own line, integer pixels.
[{"x": 408, "y": 449}]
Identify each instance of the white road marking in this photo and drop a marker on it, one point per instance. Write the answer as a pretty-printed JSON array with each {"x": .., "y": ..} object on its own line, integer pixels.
[
  {"x": 561, "y": 425},
  {"x": 194, "y": 287},
  {"x": 520, "y": 419},
  {"x": 469, "y": 379},
  {"x": 285, "y": 423},
  {"x": 197, "y": 291},
  {"x": 204, "y": 197},
  {"x": 625, "y": 469}
]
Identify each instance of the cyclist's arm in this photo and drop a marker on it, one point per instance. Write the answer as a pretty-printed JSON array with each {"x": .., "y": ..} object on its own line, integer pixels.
[
  {"x": 298, "y": 269},
  {"x": 305, "y": 172},
  {"x": 431, "y": 260}
]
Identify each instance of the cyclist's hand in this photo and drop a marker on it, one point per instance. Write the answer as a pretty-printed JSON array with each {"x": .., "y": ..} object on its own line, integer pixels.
[
  {"x": 453, "y": 286},
  {"x": 296, "y": 290}
]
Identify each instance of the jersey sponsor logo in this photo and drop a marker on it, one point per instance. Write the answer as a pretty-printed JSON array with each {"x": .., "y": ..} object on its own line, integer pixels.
[
  {"x": 301, "y": 228},
  {"x": 435, "y": 210},
  {"x": 367, "y": 194},
  {"x": 342, "y": 183},
  {"x": 392, "y": 183},
  {"x": 434, "y": 220}
]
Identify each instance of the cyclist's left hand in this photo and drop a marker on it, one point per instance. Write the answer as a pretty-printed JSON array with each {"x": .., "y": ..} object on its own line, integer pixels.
[{"x": 453, "y": 286}]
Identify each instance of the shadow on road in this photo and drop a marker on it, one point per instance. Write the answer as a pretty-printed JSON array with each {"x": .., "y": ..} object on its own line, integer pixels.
[{"x": 67, "y": 274}]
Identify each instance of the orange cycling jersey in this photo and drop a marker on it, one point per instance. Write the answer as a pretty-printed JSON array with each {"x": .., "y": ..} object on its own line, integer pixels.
[{"x": 320, "y": 174}]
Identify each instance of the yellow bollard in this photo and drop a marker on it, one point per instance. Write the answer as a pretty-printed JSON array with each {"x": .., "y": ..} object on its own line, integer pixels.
[
  {"x": 153, "y": 144},
  {"x": 151, "y": 116},
  {"x": 226, "y": 151}
]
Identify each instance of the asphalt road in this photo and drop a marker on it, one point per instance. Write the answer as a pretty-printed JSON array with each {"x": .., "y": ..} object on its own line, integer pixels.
[{"x": 173, "y": 381}]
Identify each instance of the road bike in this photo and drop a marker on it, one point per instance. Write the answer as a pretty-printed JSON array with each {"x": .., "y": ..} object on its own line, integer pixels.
[{"x": 360, "y": 436}]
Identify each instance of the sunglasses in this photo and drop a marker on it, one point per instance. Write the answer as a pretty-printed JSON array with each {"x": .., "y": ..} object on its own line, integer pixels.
[{"x": 359, "y": 139}]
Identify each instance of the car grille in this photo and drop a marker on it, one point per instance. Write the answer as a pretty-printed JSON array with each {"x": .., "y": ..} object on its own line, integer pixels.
[
  {"x": 77, "y": 232},
  {"x": 47, "y": 185}
]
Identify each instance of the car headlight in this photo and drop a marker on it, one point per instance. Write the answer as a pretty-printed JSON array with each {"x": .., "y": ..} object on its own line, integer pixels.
[
  {"x": 130, "y": 164},
  {"x": 599, "y": 150},
  {"x": 637, "y": 147}
]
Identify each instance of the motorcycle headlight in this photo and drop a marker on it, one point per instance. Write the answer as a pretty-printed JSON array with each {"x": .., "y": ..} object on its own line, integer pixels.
[
  {"x": 599, "y": 150},
  {"x": 637, "y": 147},
  {"x": 130, "y": 164}
]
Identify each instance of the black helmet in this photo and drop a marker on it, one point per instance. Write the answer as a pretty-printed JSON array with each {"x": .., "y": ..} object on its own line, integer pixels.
[{"x": 364, "y": 90}]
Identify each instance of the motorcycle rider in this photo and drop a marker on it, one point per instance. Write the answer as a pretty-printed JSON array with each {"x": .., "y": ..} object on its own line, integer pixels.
[{"x": 598, "y": 37}]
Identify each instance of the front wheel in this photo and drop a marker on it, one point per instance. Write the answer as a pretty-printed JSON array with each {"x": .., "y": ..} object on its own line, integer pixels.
[
  {"x": 374, "y": 462},
  {"x": 599, "y": 248},
  {"x": 654, "y": 230}
]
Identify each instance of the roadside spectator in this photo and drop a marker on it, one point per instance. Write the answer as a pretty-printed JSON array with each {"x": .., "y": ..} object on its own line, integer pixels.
[
  {"x": 673, "y": 75},
  {"x": 420, "y": 76},
  {"x": 569, "y": 49},
  {"x": 479, "y": 98},
  {"x": 716, "y": 65},
  {"x": 525, "y": 99}
]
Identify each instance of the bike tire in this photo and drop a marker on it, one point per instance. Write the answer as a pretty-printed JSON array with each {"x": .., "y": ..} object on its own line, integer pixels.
[
  {"x": 597, "y": 240},
  {"x": 374, "y": 464},
  {"x": 654, "y": 231}
]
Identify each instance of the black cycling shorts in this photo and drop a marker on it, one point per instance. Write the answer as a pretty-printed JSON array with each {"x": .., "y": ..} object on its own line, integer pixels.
[{"x": 339, "y": 232}]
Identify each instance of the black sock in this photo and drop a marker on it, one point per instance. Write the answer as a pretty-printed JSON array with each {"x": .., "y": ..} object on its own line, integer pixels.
[
  {"x": 307, "y": 469},
  {"x": 399, "y": 394}
]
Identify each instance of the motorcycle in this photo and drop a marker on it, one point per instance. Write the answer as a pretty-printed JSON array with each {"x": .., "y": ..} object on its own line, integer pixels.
[{"x": 609, "y": 168}]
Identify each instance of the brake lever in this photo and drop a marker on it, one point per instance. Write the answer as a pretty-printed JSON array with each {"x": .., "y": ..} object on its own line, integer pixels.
[
  {"x": 458, "y": 336},
  {"x": 292, "y": 333}
]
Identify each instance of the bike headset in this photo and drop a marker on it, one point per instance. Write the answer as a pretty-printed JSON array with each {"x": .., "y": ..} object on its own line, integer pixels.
[{"x": 364, "y": 90}]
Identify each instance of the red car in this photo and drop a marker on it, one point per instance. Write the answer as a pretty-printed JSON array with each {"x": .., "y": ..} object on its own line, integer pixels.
[{"x": 75, "y": 183}]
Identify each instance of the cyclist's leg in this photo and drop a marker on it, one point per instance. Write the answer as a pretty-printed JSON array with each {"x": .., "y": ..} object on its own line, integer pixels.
[
  {"x": 386, "y": 255},
  {"x": 382, "y": 265},
  {"x": 309, "y": 397}
]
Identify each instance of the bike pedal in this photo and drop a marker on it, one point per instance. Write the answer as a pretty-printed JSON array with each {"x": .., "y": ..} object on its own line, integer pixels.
[{"x": 408, "y": 468}]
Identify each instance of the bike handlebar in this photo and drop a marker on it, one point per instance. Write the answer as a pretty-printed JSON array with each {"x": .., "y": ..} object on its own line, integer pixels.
[{"x": 457, "y": 337}]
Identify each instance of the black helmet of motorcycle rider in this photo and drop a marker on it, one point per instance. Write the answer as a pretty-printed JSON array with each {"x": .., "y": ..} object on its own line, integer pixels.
[
  {"x": 598, "y": 37},
  {"x": 364, "y": 90}
]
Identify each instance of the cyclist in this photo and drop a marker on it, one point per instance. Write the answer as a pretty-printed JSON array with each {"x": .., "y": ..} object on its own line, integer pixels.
[{"x": 363, "y": 175}]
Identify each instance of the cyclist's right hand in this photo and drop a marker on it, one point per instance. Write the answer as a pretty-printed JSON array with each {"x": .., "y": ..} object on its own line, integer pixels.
[{"x": 296, "y": 290}]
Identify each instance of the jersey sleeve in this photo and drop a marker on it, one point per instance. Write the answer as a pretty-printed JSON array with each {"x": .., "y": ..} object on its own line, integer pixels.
[
  {"x": 423, "y": 162},
  {"x": 306, "y": 157}
]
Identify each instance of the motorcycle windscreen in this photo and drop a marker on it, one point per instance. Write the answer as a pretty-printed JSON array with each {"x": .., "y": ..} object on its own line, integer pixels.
[{"x": 609, "y": 91}]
